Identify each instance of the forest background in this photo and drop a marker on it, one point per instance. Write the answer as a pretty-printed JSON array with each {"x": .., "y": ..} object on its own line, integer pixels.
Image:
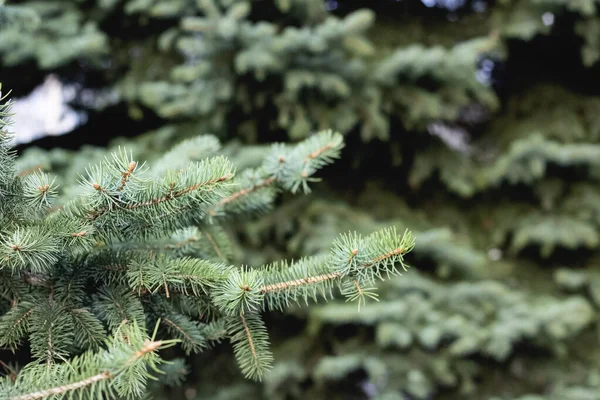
[{"x": 474, "y": 123}]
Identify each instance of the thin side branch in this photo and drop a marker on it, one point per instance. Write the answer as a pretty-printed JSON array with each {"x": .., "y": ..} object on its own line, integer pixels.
[
  {"x": 94, "y": 214},
  {"x": 24, "y": 316},
  {"x": 166, "y": 285},
  {"x": 382, "y": 257},
  {"x": 149, "y": 346},
  {"x": 64, "y": 388},
  {"x": 249, "y": 335},
  {"x": 178, "y": 193},
  {"x": 318, "y": 152},
  {"x": 178, "y": 328},
  {"x": 274, "y": 287},
  {"x": 214, "y": 245},
  {"x": 247, "y": 191}
]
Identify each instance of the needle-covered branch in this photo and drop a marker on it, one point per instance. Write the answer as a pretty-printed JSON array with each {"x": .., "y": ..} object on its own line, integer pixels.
[
  {"x": 101, "y": 375},
  {"x": 240, "y": 295},
  {"x": 353, "y": 260},
  {"x": 7, "y": 156},
  {"x": 285, "y": 167},
  {"x": 134, "y": 245}
]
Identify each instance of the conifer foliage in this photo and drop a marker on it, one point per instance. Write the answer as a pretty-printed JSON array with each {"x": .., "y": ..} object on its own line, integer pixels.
[{"x": 134, "y": 261}]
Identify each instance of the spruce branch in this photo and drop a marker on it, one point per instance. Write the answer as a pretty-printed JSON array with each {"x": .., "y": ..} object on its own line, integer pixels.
[
  {"x": 250, "y": 344},
  {"x": 173, "y": 372},
  {"x": 307, "y": 278},
  {"x": 32, "y": 247},
  {"x": 208, "y": 242},
  {"x": 186, "y": 330},
  {"x": 116, "y": 305},
  {"x": 12, "y": 287},
  {"x": 285, "y": 167},
  {"x": 148, "y": 206},
  {"x": 219, "y": 248},
  {"x": 14, "y": 325},
  {"x": 51, "y": 333},
  {"x": 134, "y": 244},
  {"x": 244, "y": 192},
  {"x": 353, "y": 265},
  {"x": 237, "y": 293},
  {"x": 105, "y": 374},
  {"x": 279, "y": 286},
  {"x": 241, "y": 294},
  {"x": 184, "y": 275},
  {"x": 89, "y": 331},
  {"x": 7, "y": 155},
  {"x": 184, "y": 238},
  {"x": 214, "y": 331},
  {"x": 63, "y": 389},
  {"x": 39, "y": 190}
]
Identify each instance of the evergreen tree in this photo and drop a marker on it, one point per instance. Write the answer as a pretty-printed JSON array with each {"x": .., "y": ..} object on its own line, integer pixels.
[
  {"x": 473, "y": 123},
  {"x": 134, "y": 261}
]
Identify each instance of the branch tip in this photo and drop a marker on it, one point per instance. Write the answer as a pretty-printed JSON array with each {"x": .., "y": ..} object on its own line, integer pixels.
[{"x": 318, "y": 152}]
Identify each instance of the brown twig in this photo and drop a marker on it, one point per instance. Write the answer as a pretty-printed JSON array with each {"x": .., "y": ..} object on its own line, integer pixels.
[{"x": 249, "y": 336}]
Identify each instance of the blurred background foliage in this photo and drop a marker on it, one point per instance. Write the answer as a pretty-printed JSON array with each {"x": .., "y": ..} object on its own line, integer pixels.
[{"x": 474, "y": 123}]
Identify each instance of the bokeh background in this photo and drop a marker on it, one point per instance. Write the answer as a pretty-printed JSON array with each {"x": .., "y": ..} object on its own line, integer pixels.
[{"x": 474, "y": 123}]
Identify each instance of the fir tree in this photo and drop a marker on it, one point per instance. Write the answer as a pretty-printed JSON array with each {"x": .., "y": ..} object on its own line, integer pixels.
[{"x": 135, "y": 261}]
